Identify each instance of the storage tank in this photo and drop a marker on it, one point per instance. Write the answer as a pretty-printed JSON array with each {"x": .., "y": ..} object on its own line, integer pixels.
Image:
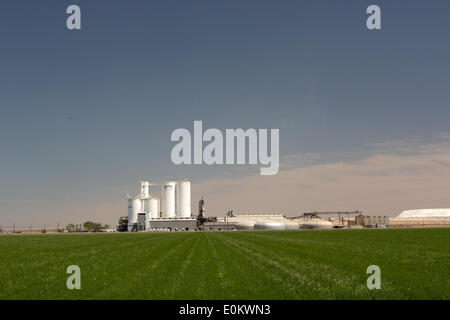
[
  {"x": 269, "y": 225},
  {"x": 144, "y": 189},
  {"x": 146, "y": 205},
  {"x": 290, "y": 225},
  {"x": 183, "y": 201},
  {"x": 154, "y": 208},
  {"x": 245, "y": 225},
  {"x": 168, "y": 199},
  {"x": 134, "y": 207},
  {"x": 147, "y": 221},
  {"x": 317, "y": 224}
]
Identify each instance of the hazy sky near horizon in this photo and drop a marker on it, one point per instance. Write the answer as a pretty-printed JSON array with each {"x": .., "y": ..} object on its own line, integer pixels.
[{"x": 85, "y": 114}]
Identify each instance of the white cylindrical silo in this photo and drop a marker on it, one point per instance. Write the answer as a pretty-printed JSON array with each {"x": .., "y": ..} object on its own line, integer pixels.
[
  {"x": 184, "y": 199},
  {"x": 147, "y": 221},
  {"x": 147, "y": 205},
  {"x": 159, "y": 208},
  {"x": 144, "y": 187},
  {"x": 154, "y": 208},
  {"x": 134, "y": 207},
  {"x": 168, "y": 199}
]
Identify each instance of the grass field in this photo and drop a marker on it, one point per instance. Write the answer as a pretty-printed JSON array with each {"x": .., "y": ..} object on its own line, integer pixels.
[{"x": 415, "y": 264}]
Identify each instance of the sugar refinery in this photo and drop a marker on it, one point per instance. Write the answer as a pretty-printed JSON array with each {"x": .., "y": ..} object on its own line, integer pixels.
[{"x": 170, "y": 210}]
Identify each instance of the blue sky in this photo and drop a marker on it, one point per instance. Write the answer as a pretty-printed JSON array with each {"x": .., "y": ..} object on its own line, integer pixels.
[{"x": 85, "y": 114}]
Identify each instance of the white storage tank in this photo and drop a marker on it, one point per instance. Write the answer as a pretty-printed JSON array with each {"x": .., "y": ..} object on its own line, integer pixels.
[
  {"x": 269, "y": 225},
  {"x": 147, "y": 221},
  {"x": 134, "y": 207},
  {"x": 317, "y": 224},
  {"x": 168, "y": 199},
  {"x": 183, "y": 191},
  {"x": 154, "y": 208},
  {"x": 144, "y": 187},
  {"x": 147, "y": 205},
  {"x": 245, "y": 225},
  {"x": 291, "y": 225}
]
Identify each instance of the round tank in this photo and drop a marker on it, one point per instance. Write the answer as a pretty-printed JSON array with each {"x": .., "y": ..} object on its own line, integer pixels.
[
  {"x": 144, "y": 189},
  {"x": 153, "y": 208},
  {"x": 159, "y": 207},
  {"x": 317, "y": 224},
  {"x": 147, "y": 205},
  {"x": 168, "y": 199},
  {"x": 291, "y": 225},
  {"x": 134, "y": 207},
  {"x": 269, "y": 225},
  {"x": 245, "y": 225},
  {"x": 183, "y": 199}
]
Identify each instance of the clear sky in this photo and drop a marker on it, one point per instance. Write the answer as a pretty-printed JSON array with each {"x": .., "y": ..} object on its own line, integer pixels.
[{"x": 86, "y": 114}]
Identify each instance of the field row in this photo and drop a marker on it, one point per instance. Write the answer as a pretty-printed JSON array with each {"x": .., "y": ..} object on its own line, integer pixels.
[{"x": 228, "y": 265}]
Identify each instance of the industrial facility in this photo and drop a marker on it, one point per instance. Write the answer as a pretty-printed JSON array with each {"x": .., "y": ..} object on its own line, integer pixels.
[{"x": 170, "y": 210}]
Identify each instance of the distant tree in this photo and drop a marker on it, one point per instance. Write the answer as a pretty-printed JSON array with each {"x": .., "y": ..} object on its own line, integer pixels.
[
  {"x": 88, "y": 225},
  {"x": 70, "y": 227},
  {"x": 92, "y": 226},
  {"x": 106, "y": 226}
]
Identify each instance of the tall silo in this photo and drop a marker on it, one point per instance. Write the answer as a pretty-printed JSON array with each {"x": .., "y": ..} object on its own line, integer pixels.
[
  {"x": 134, "y": 207},
  {"x": 159, "y": 207},
  {"x": 144, "y": 189},
  {"x": 146, "y": 205},
  {"x": 154, "y": 208},
  {"x": 147, "y": 221},
  {"x": 183, "y": 199},
  {"x": 168, "y": 199}
]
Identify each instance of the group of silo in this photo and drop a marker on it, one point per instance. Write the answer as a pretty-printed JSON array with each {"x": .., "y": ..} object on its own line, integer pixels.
[
  {"x": 175, "y": 203},
  {"x": 176, "y": 199},
  {"x": 142, "y": 207}
]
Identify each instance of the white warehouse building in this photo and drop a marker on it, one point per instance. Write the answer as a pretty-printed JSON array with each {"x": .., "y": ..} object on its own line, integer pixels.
[
  {"x": 170, "y": 210},
  {"x": 425, "y": 213}
]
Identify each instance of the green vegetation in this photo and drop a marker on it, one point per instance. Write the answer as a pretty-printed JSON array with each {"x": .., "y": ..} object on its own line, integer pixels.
[{"x": 415, "y": 264}]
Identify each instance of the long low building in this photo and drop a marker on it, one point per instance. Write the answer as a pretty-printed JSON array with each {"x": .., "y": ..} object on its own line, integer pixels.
[
  {"x": 425, "y": 213},
  {"x": 275, "y": 222},
  {"x": 172, "y": 224},
  {"x": 422, "y": 218}
]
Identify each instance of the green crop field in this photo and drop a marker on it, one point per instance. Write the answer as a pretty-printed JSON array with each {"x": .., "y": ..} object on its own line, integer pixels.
[{"x": 415, "y": 264}]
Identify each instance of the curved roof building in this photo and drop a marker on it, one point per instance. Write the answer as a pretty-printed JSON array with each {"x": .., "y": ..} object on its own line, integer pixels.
[{"x": 425, "y": 213}]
